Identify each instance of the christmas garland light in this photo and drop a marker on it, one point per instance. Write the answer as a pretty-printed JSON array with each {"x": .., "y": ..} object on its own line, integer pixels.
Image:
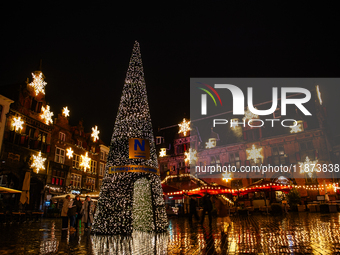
[{"x": 119, "y": 210}]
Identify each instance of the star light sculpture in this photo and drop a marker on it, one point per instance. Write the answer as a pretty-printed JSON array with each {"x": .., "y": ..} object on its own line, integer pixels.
[
  {"x": 162, "y": 153},
  {"x": 66, "y": 111},
  {"x": 69, "y": 153},
  {"x": 248, "y": 115},
  {"x": 95, "y": 133},
  {"x": 254, "y": 153},
  {"x": 184, "y": 127},
  {"x": 38, "y": 84},
  {"x": 308, "y": 166},
  {"x": 38, "y": 162},
  {"x": 47, "y": 114},
  {"x": 190, "y": 156},
  {"x": 17, "y": 123},
  {"x": 226, "y": 177},
  {"x": 85, "y": 161}
]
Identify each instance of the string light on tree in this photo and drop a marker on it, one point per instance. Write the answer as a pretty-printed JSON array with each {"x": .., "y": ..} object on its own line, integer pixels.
[
  {"x": 38, "y": 83},
  {"x": 162, "y": 153},
  {"x": 69, "y": 153},
  {"x": 190, "y": 156},
  {"x": 184, "y": 127},
  {"x": 254, "y": 154},
  {"x": 66, "y": 111},
  {"x": 47, "y": 115},
  {"x": 95, "y": 133},
  {"x": 248, "y": 115},
  {"x": 85, "y": 161},
  {"x": 17, "y": 123},
  {"x": 131, "y": 200},
  {"x": 38, "y": 162}
]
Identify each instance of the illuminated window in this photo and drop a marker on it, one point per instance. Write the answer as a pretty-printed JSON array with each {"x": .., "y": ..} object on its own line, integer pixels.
[
  {"x": 75, "y": 162},
  {"x": 234, "y": 159},
  {"x": 59, "y": 155},
  {"x": 76, "y": 180},
  {"x": 101, "y": 169},
  {"x": 278, "y": 155},
  {"x": 93, "y": 166}
]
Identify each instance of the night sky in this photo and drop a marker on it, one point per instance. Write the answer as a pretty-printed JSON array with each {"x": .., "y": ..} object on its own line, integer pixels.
[{"x": 85, "y": 50}]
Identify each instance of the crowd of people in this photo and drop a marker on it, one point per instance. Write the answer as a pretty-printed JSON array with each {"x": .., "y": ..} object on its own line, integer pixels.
[{"x": 77, "y": 212}]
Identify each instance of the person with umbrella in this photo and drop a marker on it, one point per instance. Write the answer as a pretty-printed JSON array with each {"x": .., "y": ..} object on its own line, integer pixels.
[{"x": 207, "y": 207}]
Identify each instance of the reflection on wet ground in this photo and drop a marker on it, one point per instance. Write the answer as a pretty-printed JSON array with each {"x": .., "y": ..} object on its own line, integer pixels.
[{"x": 303, "y": 233}]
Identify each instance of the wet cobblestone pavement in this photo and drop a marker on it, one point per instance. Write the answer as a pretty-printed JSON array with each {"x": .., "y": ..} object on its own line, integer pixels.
[{"x": 296, "y": 233}]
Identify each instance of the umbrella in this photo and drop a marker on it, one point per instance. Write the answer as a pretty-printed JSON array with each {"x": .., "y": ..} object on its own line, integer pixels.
[
  {"x": 8, "y": 190},
  {"x": 25, "y": 195}
]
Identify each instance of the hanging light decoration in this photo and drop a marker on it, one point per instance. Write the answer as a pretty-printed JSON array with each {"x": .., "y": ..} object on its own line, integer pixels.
[
  {"x": 38, "y": 83},
  {"x": 162, "y": 153},
  {"x": 254, "y": 153},
  {"x": 38, "y": 162},
  {"x": 47, "y": 114},
  {"x": 85, "y": 161},
  {"x": 69, "y": 153},
  {"x": 66, "y": 111},
  {"x": 95, "y": 133},
  {"x": 190, "y": 156},
  {"x": 184, "y": 127},
  {"x": 17, "y": 123}
]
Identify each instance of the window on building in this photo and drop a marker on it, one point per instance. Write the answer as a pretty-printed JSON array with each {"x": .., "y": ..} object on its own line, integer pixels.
[
  {"x": 75, "y": 162},
  {"x": 234, "y": 159},
  {"x": 278, "y": 155},
  {"x": 62, "y": 136},
  {"x": 307, "y": 149},
  {"x": 106, "y": 156},
  {"x": 101, "y": 155},
  {"x": 159, "y": 140},
  {"x": 58, "y": 177},
  {"x": 91, "y": 182},
  {"x": 80, "y": 143},
  {"x": 30, "y": 132},
  {"x": 252, "y": 134},
  {"x": 101, "y": 169},
  {"x": 76, "y": 180},
  {"x": 59, "y": 155},
  {"x": 100, "y": 182},
  {"x": 93, "y": 166}
]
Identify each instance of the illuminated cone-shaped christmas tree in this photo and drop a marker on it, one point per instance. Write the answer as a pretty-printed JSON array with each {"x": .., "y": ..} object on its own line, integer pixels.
[{"x": 131, "y": 196}]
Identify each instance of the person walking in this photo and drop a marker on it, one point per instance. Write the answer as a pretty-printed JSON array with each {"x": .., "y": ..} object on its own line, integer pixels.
[
  {"x": 207, "y": 207},
  {"x": 87, "y": 212},
  {"x": 192, "y": 209},
  {"x": 64, "y": 211},
  {"x": 79, "y": 206},
  {"x": 72, "y": 211}
]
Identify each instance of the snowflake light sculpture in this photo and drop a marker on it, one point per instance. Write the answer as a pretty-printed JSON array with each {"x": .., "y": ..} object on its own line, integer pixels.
[
  {"x": 308, "y": 166},
  {"x": 69, "y": 153},
  {"x": 248, "y": 115},
  {"x": 211, "y": 143},
  {"x": 66, "y": 111},
  {"x": 47, "y": 114},
  {"x": 38, "y": 162},
  {"x": 296, "y": 129},
  {"x": 190, "y": 156},
  {"x": 254, "y": 153},
  {"x": 226, "y": 177},
  {"x": 184, "y": 127},
  {"x": 162, "y": 153},
  {"x": 38, "y": 83},
  {"x": 95, "y": 133},
  {"x": 85, "y": 161},
  {"x": 17, "y": 123}
]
